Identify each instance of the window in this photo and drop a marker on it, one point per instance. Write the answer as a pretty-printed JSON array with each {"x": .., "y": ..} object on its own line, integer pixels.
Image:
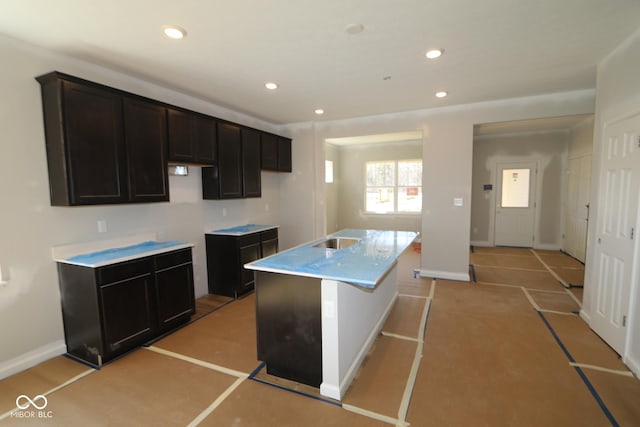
[
  {"x": 394, "y": 186},
  {"x": 328, "y": 171}
]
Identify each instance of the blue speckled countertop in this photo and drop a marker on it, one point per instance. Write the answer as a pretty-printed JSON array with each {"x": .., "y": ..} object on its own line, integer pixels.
[
  {"x": 242, "y": 229},
  {"x": 364, "y": 263},
  {"x": 115, "y": 255}
]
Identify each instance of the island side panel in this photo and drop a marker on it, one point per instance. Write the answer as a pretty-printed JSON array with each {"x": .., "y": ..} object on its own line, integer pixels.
[
  {"x": 289, "y": 326},
  {"x": 352, "y": 318}
]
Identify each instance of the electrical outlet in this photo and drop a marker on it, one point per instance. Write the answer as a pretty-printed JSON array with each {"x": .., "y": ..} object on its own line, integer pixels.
[{"x": 102, "y": 226}]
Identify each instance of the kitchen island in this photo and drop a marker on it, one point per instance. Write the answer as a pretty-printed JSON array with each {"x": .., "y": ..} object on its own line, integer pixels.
[{"x": 320, "y": 305}]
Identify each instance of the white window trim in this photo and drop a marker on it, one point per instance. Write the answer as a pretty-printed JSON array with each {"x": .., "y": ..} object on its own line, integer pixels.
[{"x": 395, "y": 191}]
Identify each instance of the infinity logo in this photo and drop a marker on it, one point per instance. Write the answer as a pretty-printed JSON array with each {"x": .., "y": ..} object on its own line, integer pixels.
[{"x": 21, "y": 404}]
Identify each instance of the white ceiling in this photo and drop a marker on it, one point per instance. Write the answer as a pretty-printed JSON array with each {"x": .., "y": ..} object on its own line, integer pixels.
[{"x": 494, "y": 49}]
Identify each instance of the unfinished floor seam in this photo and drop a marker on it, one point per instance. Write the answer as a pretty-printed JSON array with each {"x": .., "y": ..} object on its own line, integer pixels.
[
  {"x": 208, "y": 410},
  {"x": 53, "y": 390},
  {"x": 623, "y": 373},
  {"x": 408, "y": 392},
  {"x": 553, "y": 273},
  {"x": 582, "y": 375},
  {"x": 374, "y": 415},
  {"x": 508, "y": 268},
  {"x": 198, "y": 362}
]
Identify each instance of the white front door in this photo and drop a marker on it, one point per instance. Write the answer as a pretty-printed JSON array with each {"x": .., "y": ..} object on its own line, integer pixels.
[
  {"x": 616, "y": 228},
  {"x": 515, "y": 209}
]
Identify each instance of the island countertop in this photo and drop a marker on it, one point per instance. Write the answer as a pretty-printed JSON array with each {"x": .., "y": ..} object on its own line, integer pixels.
[{"x": 364, "y": 263}]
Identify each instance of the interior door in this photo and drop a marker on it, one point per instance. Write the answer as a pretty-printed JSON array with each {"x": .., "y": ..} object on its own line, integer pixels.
[
  {"x": 615, "y": 249},
  {"x": 577, "y": 211},
  {"x": 515, "y": 204}
]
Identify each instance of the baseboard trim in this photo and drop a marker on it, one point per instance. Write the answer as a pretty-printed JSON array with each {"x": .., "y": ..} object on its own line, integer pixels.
[
  {"x": 32, "y": 358},
  {"x": 482, "y": 244},
  {"x": 447, "y": 275},
  {"x": 632, "y": 364}
]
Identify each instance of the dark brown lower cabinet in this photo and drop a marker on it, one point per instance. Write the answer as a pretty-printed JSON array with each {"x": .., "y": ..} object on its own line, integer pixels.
[
  {"x": 112, "y": 309},
  {"x": 227, "y": 255}
]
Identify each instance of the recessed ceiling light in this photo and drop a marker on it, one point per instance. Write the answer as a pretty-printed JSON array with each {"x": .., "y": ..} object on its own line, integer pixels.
[
  {"x": 434, "y": 53},
  {"x": 174, "y": 32},
  {"x": 271, "y": 86},
  {"x": 319, "y": 111},
  {"x": 354, "y": 28},
  {"x": 441, "y": 94}
]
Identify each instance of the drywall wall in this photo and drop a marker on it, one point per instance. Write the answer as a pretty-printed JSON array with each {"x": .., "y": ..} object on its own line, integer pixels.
[
  {"x": 30, "y": 315},
  {"x": 618, "y": 96},
  {"x": 447, "y": 150},
  {"x": 351, "y": 209},
  {"x": 549, "y": 151},
  {"x": 332, "y": 189}
]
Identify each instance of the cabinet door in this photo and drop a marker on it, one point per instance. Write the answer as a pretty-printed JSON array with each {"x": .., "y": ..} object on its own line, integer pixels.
[
  {"x": 126, "y": 313},
  {"x": 248, "y": 254},
  {"x": 174, "y": 295},
  {"x": 229, "y": 161},
  {"x": 181, "y": 143},
  {"x": 145, "y": 129},
  {"x": 284, "y": 155},
  {"x": 252, "y": 184},
  {"x": 94, "y": 147},
  {"x": 269, "y": 247},
  {"x": 269, "y": 152},
  {"x": 174, "y": 287},
  {"x": 205, "y": 140}
]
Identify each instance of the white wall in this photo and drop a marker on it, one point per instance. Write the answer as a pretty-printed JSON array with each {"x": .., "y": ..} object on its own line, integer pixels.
[
  {"x": 332, "y": 189},
  {"x": 447, "y": 161},
  {"x": 549, "y": 151},
  {"x": 30, "y": 315},
  {"x": 618, "y": 95}
]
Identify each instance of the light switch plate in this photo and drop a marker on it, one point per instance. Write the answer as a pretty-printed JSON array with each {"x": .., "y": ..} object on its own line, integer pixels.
[{"x": 457, "y": 201}]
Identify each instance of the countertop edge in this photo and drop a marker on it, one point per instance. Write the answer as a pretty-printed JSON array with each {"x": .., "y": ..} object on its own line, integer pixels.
[
  {"x": 129, "y": 257},
  {"x": 244, "y": 233}
]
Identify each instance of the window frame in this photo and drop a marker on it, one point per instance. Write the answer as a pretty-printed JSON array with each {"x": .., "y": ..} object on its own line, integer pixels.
[{"x": 395, "y": 187}]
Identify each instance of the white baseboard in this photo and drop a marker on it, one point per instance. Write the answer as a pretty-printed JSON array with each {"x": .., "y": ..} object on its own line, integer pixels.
[
  {"x": 447, "y": 275},
  {"x": 585, "y": 316},
  {"x": 632, "y": 364},
  {"x": 482, "y": 244},
  {"x": 32, "y": 358}
]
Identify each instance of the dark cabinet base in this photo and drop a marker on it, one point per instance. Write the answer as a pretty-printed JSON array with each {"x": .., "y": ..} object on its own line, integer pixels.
[
  {"x": 227, "y": 255},
  {"x": 110, "y": 310},
  {"x": 289, "y": 326}
]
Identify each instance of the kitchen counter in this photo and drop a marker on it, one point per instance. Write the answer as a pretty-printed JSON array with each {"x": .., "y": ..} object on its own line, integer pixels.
[
  {"x": 241, "y": 230},
  {"x": 321, "y": 305},
  {"x": 119, "y": 254},
  {"x": 364, "y": 263}
]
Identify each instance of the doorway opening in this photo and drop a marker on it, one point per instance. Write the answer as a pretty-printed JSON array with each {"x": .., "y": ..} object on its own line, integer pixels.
[
  {"x": 530, "y": 192},
  {"x": 375, "y": 182}
]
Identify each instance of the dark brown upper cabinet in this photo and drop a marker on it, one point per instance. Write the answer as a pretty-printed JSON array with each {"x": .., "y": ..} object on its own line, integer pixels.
[
  {"x": 192, "y": 137},
  {"x": 238, "y": 172},
  {"x": 145, "y": 126},
  {"x": 275, "y": 153},
  {"x": 251, "y": 179},
  {"x": 102, "y": 146}
]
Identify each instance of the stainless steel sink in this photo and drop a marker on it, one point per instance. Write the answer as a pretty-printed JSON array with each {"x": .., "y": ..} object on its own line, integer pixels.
[{"x": 337, "y": 243}]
